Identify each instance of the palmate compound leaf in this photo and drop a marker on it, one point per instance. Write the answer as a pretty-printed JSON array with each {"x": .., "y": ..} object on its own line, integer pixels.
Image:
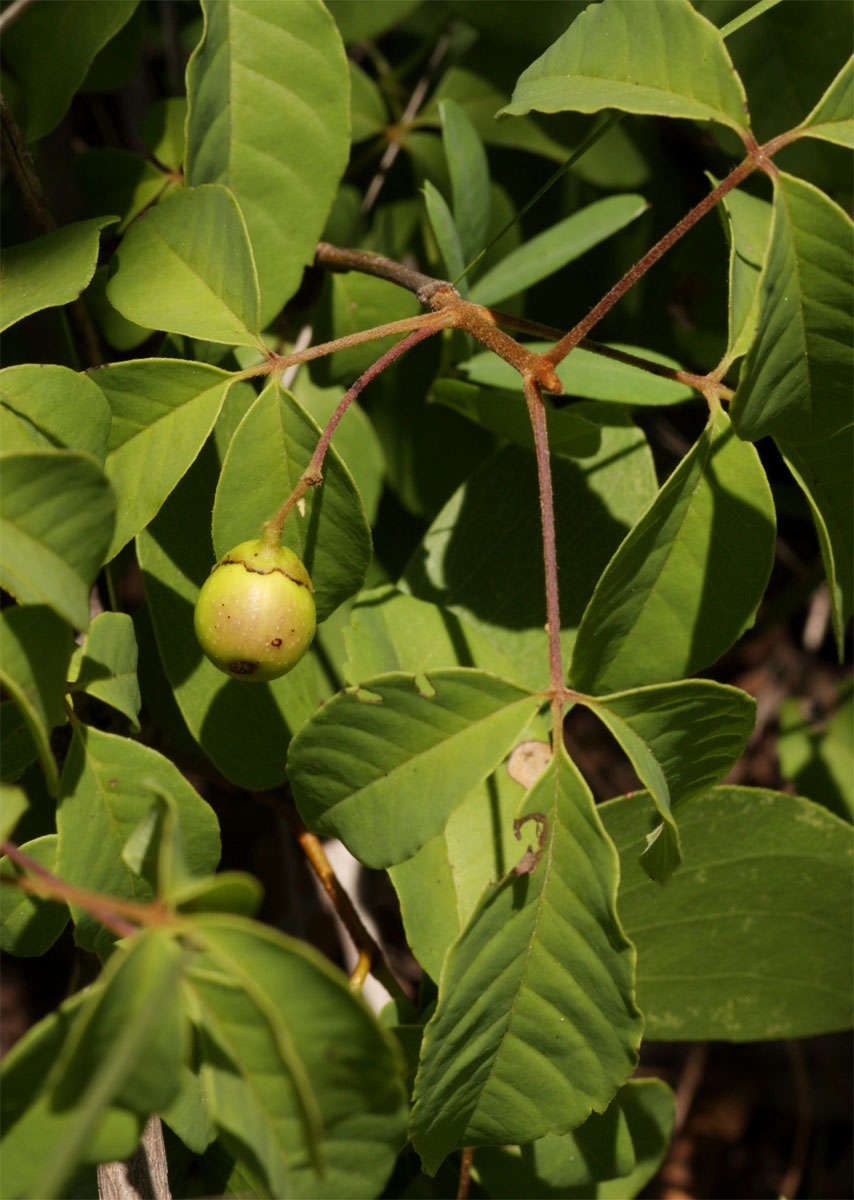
[
  {"x": 536, "y": 1024},
  {"x": 269, "y": 92},
  {"x": 269, "y": 451},
  {"x": 162, "y": 412},
  {"x": 109, "y": 786},
  {"x": 686, "y": 581},
  {"x": 299, "y": 1077},
  {"x": 58, "y": 511},
  {"x": 796, "y": 379},
  {"x": 681, "y": 738},
  {"x": 752, "y": 938},
  {"x": 186, "y": 266},
  {"x": 382, "y": 766},
  {"x": 657, "y": 57}
]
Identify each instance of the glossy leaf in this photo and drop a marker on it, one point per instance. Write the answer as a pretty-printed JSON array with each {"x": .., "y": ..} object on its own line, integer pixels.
[
  {"x": 469, "y": 170},
  {"x": 481, "y": 556},
  {"x": 35, "y": 647},
  {"x": 269, "y": 92},
  {"x": 269, "y": 451},
  {"x": 823, "y": 471},
  {"x": 186, "y": 266},
  {"x": 29, "y": 925},
  {"x": 752, "y": 938},
  {"x": 105, "y": 665},
  {"x": 832, "y": 119},
  {"x": 590, "y": 376},
  {"x": 681, "y": 738},
  {"x": 223, "y": 715},
  {"x": 109, "y": 785},
  {"x": 749, "y": 220},
  {"x": 384, "y": 765},
  {"x": 50, "y": 270},
  {"x": 610, "y": 1157},
  {"x": 535, "y": 1023},
  {"x": 57, "y": 517},
  {"x": 552, "y": 249},
  {"x": 446, "y": 235},
  {"x": 659, "y": 57},
  {"x": 687, "y": 580},
  {"x": 796, "y": 380},
  {"x": 300, "y": 1078},
  {"x": 49, "y": 49},
  {"x": 163, "y": 410},
  {"x": 49, "y": 407}
]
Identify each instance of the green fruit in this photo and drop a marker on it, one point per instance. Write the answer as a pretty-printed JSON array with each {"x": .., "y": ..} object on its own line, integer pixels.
[{"x": 255, "y": 614}]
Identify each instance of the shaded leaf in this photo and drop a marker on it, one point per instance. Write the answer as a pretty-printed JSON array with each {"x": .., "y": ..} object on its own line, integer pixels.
[
  {"x": 52, "y": 269},
  {"x": 552, "y": 249},
  {"x": 752, "y": 938},
  {"x": 623, "y": 55},
  {"x": 105, "y": 665},
  {"x": 687, "y": 580},
  {"x": 445, "y": 232},
  {"x": 17, "y": 748},
  {"x": 35, "y": 648},
  {"x": 163, "y": 130},
  {"x": 818, "y": 758},
  {"x": 368, "y": 114},
  {"x": 270, "y": 449},
  {"x": 29, "y": 925},
  {"x": 163, "y": 410},
  {"x": 681, "y": 738},
  {"x": 361, "y": 22},
  {"x": 796, "y": 379},
  {"x": 268, "y": 92},
  {"x": 749, "y": 222},
  {"x": 13, "y": 805},
  {"x": 469, "y": 170},
  {"x": 382, "y": 766},
  {"x": 361, "y": 302},
  {"x": 544, "y": 957},
  {"x": 121, "y": 181},
  {"x": 49, "y": 407},
  {"x": 228, "y": 891},
  {"x": 186, "y": 266},
  {"x": 832, "y": 119}
]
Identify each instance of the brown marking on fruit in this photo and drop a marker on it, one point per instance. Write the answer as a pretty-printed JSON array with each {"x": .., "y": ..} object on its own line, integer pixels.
[
  {"x": 277, "y": 641},
  {"x": 239, "y": 562},
  {"x": 243, "y": 667}
]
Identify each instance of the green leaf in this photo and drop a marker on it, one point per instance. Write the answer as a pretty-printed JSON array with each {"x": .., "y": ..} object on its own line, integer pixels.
[
  {"x": 109, "y": 784},
  {"x": 116, "y": 330},
  {"x": 752, "y": 938},
  {"x": 163, "y": 131},
  {"x": 832, "y": 119},
  {"x": 35, "y": 648},
  {"x": 681, "y": 738},
  {"x": 229, "y": 892},
  {"x": 506, "y": 414},
  {"x": 623, "y": 1146},
  {"x": 544, "y": 958},
  {"x": 687, "y": 580},
  {"x": 481, "y": 556},
  {"x": 589, "y": 375},
  {"x": 45, "y": 407},
  {"x": 269, "y": 451},
  {"x": 796, "y": 379},
  {"x": 17, "y": 747},
  {"x": 749, "y": 223},
  {"x": 50, "y": 270},
  {"x": 105, "y": 665},
  {"x": 28, "y": 925},
  {"x": 163, "y": 410},
  {"x": 361, "y": 302},
  {"x": 121, "y": 181},
  {"x": 242, "y": 728},
  {"x": 445, "y": 233},
  {"x": 658, "y": 57},
  {"x": 383, "y": 766},
  {"x": 13, "y": 805},
  {"x": 361, "y": 22},
  {"x": 35, "y": 1134},
  {"x": 469, "y": 171},
  {"x": 269, "y": 92},
  {"x": 300, "y": 1078},
  {"x": 819, "y": 758},
  {"x": 552, "y": 249},
  {"x": 368, "y": 114},
  {"x": 57, "y": 517},
  {"x": 49, "y": 49},
  {"x": 188, "y": 1116},
  {"x": 823, "y": 471},
  {"x": 186, "y": 266}
]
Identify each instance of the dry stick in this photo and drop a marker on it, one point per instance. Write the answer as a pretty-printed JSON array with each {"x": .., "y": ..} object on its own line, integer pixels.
[
  {"x": 312, "y": 475},
  {"x": 465, "y": 1173},
  {"x": 368, "y": 949},
  {"x": 11, "y": 13}
]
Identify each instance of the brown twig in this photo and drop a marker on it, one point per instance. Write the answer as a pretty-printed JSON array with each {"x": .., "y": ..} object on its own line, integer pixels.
[
  {"x": 791, "y": 1182},
  {"x": 465, "y": 1173}
]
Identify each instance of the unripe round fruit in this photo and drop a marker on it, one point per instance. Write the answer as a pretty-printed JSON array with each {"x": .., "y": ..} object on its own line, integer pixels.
[{"x": 255, "y": 614}]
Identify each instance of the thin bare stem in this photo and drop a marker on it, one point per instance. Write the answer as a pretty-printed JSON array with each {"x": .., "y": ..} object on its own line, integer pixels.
[
  {"x": 371, "y": 956},
  {"x": 465, "y": 1173},
  {"x": 336, "y": 258},
  {"x": 570, "y": 340},
  {"x": 313, "y": 474},
  {"x": 11, "y": 13}
]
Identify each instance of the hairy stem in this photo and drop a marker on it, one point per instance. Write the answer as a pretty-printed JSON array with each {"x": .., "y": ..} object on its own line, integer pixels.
[{"x": 335, "y": 258}]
